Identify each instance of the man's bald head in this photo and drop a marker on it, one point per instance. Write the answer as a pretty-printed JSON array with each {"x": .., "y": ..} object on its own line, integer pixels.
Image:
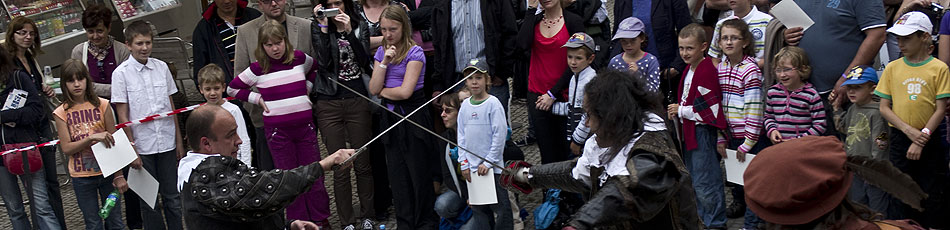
[{"x": 212, "y": 130}]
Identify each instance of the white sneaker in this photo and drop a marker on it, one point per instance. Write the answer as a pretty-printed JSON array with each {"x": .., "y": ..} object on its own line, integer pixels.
[
  {"x": 368, "y": 224},
  {"x": 349, "y": 227}
]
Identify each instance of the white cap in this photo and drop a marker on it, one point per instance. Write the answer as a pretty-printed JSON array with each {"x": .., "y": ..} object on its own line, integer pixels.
[{"x": 911, "y": 22}]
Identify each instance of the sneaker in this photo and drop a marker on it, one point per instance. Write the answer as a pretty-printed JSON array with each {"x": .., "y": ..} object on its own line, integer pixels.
[
  {"x": 368, "y": 224},
  {"x": 349, "y": 227},
  {"x": 525, "y": 141},
  {"x": 735, "y": 210}
]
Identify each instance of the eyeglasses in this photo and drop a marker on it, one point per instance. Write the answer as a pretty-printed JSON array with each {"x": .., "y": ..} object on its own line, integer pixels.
[
  {"x": 271, "y": 1},
  {"x": 730, "y": 38},
  {"x": 784, "y": 70},
  {"x": 24, "y": 33}
]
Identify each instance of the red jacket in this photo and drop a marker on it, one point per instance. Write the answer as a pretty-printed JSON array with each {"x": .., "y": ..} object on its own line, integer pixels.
[{"x": 706, "y": 103}]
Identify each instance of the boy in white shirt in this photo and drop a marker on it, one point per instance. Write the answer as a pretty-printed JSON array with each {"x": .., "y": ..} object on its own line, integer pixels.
[
  {"x": 142, "y": 86},
  {"x": 211, "y": 85}
]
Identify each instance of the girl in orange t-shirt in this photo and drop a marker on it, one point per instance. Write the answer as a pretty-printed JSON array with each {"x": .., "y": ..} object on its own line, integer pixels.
[{"x": 82, "y": 120}]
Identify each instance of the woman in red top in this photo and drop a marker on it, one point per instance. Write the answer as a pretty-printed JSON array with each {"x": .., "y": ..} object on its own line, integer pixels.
[{"x": 541, "y": 38}]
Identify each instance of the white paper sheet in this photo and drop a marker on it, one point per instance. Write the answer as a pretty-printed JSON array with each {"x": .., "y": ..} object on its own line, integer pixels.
[
  {"x": 15, "y": 100},
  {"x": 115, "y": 158},
  {"x": 791, "y": 15},
  {"x": 143, "y": 184},
  {"x": 734, "y": 168},
  {"x": 481, "y": 191}
]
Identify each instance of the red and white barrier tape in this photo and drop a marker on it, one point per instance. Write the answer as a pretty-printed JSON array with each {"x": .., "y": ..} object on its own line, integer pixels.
[{"x": 120, "y": 126}]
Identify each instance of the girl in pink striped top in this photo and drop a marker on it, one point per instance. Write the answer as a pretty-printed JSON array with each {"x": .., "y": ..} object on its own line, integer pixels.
[
  {"x": 793, "y": 108},
  {"x": 283, "y": 76}
]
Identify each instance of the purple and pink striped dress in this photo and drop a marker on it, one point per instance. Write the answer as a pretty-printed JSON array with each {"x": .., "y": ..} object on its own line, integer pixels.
[
  {"x": 284, "y": 89},
  {"x": 795, "y": 113}
]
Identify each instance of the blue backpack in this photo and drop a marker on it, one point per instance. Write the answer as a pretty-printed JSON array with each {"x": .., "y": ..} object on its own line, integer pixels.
[{"x": 545, "y": 213}]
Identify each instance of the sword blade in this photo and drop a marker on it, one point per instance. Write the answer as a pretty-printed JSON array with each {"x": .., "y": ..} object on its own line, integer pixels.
[{"x": 362, "y": 149}]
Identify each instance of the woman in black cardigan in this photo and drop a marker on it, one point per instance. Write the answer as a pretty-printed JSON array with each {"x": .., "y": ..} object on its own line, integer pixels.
[
  {"x": 339, "y": 44},
  {"x": 539, "y": 40}
]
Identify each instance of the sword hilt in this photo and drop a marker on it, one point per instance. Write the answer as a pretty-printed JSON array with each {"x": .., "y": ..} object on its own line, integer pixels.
[{"x": 346, "y": 163}]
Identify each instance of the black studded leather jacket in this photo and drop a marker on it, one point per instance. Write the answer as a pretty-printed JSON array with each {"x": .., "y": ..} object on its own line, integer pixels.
[{"x": 223, "y": 193}]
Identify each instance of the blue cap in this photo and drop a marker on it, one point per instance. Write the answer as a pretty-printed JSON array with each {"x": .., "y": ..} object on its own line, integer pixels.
[{"x": 860, "y": 75}]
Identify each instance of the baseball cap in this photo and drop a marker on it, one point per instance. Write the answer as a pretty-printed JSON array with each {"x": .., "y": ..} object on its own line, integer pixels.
[
  {"x": 911, "y": 22},
  {"x": 580, "y": 39},
  {"x": 476, "y": 65},
  {"x": 629, "y": 28},
  {"x": 860, "y": 74}
]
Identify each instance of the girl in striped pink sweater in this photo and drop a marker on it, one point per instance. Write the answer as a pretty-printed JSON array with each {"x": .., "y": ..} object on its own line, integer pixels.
[
  {"x": 793, "y": 108},
  {"x": 284, "y": 76}
]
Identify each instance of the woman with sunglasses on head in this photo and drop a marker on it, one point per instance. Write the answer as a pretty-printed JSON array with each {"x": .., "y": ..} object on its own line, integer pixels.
[{"x": 101, "y": 53}]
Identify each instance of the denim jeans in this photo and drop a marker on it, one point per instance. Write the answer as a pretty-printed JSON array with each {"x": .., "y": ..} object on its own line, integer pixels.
[
  {"x": 875, "y": 198},
  {"x": 494, "y": 216},
  {"x": 703, "y": 164},
  {"x": 43, "y": 212},
  {"x": 91, "y": 193},
  {"x": 751, "y": 221},
  {"x": 449, "y": 205},
  {"x": 163, "y": 166},
  {"x": 502, "y": 93}
]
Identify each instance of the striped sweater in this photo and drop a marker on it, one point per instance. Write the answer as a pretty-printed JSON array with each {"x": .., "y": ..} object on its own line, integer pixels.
[
  {"x": 741, "y": 100},
  {"x": 284, "y": 89},
  {"x": 794, "y": 113}
]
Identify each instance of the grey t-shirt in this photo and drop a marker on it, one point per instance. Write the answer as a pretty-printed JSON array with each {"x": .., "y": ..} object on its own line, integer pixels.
[
  {"x": 833, "y": 40},
  {"x": 863, "y": 124}
]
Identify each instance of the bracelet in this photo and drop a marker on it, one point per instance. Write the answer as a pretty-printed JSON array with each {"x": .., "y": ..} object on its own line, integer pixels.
[
  {"x": 321, "y": 25},
  {"x": 383, "y": 66},
  {"x": 550, "y": 94},
  {"x": 925, "y": 130}
]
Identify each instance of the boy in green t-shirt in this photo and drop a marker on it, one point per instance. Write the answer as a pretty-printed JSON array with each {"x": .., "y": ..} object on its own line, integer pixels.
[{"x": 914, "y": 92}]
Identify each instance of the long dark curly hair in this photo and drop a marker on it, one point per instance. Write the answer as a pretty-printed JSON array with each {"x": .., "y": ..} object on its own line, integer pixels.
[{"x": 619, "y": 102}]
